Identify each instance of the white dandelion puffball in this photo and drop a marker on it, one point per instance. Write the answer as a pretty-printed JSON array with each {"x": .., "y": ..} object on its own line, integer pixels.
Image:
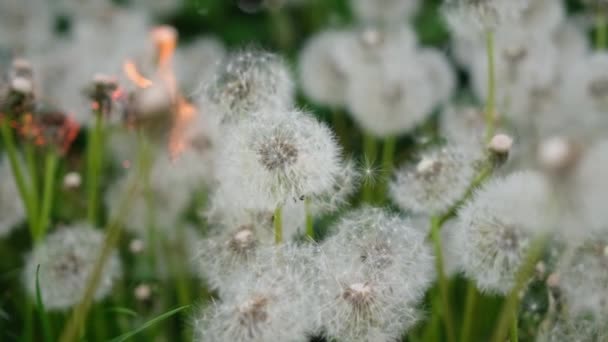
[
  {"x": 247, "y": 82},
  {"x": 346, "y": 183},
  {"x": 586, "y": 86},
  {"x": 592, "y": 185},
  {"x": 67, "y": 258},
  {"x": 387, "y": 99},
  {"x": 384, "y": 11},
  {"x": 541, "y": 17},
  {"x": 579, "y": 329},
  {"x": 583, "y": 278},
  {"x": 497, "y": 227},
  {"x": 437, "y": 182},
  {"x": 440, "y": 73},
  {"x": 276, "y": 157},
  {"x": 463, "y": 125},
  {"x": 365, "y": 288},
  {"x": 321, "y": 72},
  {"x": 387, "y": 246},
  {"x": 272, "y": 304},
  {"x": 471, "y": 17},
  {"x": 12, "y": 210},
  {"x": 230, "y": 250}
]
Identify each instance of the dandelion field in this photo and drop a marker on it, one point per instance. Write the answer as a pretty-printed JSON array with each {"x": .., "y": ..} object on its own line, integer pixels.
[{"x": 303, "y": 170}]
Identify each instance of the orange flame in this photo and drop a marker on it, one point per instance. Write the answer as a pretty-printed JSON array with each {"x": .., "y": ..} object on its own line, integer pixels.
[
  {"x": 133, "y": 74},
  {"x": 165, "y": 42}
]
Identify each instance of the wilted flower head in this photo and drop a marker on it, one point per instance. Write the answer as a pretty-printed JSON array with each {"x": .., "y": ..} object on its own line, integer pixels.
[
  {"x": 12, "y": 210},
  {"x": 67, "y": 258},
  {"x": 268, "y": 304},
  {"x": 471, "y": 17},
  {"x": 384, "y": 11},
  {"x": 248, "y": 82},
  {"x": 321, "y": 71},
  {"x": 497, "y": 227},
  {"x": 439, "y": 180},
  {"x": 275, "y": 157}
]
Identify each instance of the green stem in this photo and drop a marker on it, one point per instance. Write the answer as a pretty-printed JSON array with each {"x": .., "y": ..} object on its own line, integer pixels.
[
  {"x": 94, "y": 163},
  {"x": 601, "y": 30},
  {"x": 444, "y": 290},
  {"x": 388, "y": 157},
  {"x": 491, "y": 100},
  {"x": 469, "y": 311},
  {"x": 282, "y": 29},
  {"x": 310, "y": 228},
  {"x": 514, "y": 326},
  {"x": 30, "y": 159},
  {"x": 11, "y": 151},
  {"x": 50, "y": 168},
  {"x": 505, "y": 320},
  {"x": 370, "y": 151},
  {"x": 339, "y": 123},
  {"x": 76, "y": 321},
  {"x": 278, "y": 225}
]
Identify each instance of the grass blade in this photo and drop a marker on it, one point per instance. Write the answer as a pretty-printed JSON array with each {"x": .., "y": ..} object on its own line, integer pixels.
[{"x": 148, "y": 324}]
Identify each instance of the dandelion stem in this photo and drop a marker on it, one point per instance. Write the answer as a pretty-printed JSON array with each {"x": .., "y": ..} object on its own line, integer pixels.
[
  {"x": 370, "y": 150},
  {"x": 50, "y": 168},
  {"x": 282, "y": 28},
  {"x": 278, "y": 225},
  {"x": 338, "y": 121},
  {"x": 30, "y": 159},
  {"x": 388, "y": 157},
  {"x": 601, "y": 30},
  {"x": 514, "y": 326},
  {"x": 76, "y": 321},
  {"x": 310, "y": 228},
  {"x": 491, "y": 100},
  {"x": 469, "y": 311},
  {"x": 443, "y": 281},
  {"x": 11, "y": 151},
  {"x": 509, "y": 310},
  {"x": 94, "y": 162}
]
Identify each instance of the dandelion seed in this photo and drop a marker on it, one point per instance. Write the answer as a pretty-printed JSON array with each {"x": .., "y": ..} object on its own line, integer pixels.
[
  {"x": 67, "y": 258},
  {"x": 277, "y": 157},
  {"x": 437, "y": 182},
  {"x": 496, "y": 228},
  {"x": 248, "y": 82}
]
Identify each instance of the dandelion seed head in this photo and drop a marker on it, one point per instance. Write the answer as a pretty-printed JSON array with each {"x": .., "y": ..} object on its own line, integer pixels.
[
  {"x": 438, "y": 181},
  {"x": 277, "y": 157},
  {"x": 321, "y": 72},
  {"x": 270, "y": 303},
  {"x": 583, "y": 278},
  {"x": 473, "y": 17},
  {"x": 202, "y": 55},
  {"x": 496, "y": 227},
  {"x": 593, "y": 186},
  {"x": 67, "y": 258},
  {"x": 248, "y": 82}
]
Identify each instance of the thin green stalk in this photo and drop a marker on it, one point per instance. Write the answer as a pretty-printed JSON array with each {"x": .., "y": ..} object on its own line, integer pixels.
[
  {"x": 28, "y": 321},
  {"x": 310, "y": 229},
  {"x": 601, "y": 30},
  {"x": 505, "y": 320},
  {"x": 278, "y": 225},
  {"x": 75, "y": 324},
  {"x": 338, "y": 121},
  {"x": 370, "y": 151},
  {"x": 491, "y": 100},
  {"x": 432, "y": 330},
  {"x": 50, "y": 168},
  {"x": 94, "y": 164},
  {"x": 11, "y": 151},
  {"x": 444, "y": 290},
  {"x": 282, "y": 29},
  {"x": 47, "y": 329},
  {"x": 469, "y": 311},
  {"x": 388, "y": 157},
  {"x": 30, "y": 159},
  {"x": 514, "y": 326}
]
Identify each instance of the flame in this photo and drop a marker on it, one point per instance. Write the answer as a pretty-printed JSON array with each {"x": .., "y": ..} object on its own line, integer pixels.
[
  {"x": 134, "y": 76},
  {"x": 165, "y": 42}
]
